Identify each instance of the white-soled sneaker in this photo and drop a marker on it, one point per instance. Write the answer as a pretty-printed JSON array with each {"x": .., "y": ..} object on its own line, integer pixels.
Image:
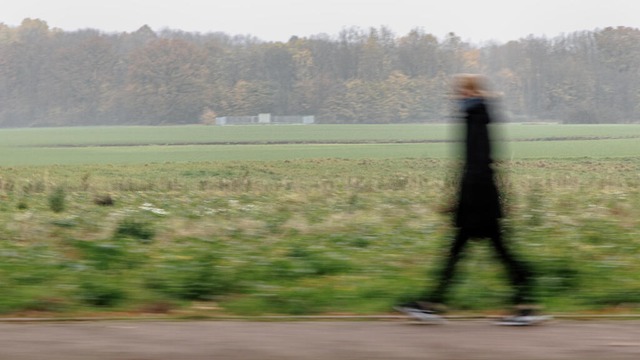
[
  {"x": 421, "y": 314},
  {"x": 524, "y": 317}
]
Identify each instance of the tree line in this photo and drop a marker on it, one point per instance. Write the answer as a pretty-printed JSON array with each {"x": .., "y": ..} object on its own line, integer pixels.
[{"x": 50, "y": 77}]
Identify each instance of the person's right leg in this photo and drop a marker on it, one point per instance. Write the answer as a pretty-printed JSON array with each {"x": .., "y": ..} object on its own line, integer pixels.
[
  {"x": 445, "y": 275},
  {"x": 428, "y": 308}
]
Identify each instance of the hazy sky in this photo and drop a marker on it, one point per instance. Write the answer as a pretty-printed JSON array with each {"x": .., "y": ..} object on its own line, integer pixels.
[{"x": 278, "y": 20}]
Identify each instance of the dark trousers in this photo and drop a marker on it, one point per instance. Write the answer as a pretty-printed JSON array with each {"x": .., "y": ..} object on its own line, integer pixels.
[{"x": 518, "y": 272}]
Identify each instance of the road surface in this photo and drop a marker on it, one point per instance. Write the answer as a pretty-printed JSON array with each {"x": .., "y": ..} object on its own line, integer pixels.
[{"x": 318, "y": 340}]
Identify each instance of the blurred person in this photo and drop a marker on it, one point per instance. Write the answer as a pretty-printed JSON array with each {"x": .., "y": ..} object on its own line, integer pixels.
[{"x": 477, "y": 214}]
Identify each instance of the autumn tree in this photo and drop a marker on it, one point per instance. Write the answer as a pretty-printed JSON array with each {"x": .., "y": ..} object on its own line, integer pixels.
[
  {"x": 166, "y": 82},
  {"x": 49, "y": 77}
]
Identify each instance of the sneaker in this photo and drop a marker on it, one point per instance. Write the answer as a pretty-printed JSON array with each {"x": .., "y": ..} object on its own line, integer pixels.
[
  {"x": 421, "y": 312},
  {"x": 524, "y": 317}
]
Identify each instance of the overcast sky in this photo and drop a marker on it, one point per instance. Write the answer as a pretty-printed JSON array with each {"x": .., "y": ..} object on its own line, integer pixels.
[{"x": 278, "y": 20}]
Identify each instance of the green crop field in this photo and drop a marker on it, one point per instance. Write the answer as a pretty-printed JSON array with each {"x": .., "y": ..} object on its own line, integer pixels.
[
  {"x": 135, "y": 145},
  {"x": 305, "y": 219},
  {"x": 195, "y": 134}
]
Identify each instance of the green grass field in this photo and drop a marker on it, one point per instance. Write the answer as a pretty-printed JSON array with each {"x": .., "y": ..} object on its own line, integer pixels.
[
  {"x": 136, "y": 145},
  {"x": 195, "y": 134},
  {"x": 304, "y": 228}
]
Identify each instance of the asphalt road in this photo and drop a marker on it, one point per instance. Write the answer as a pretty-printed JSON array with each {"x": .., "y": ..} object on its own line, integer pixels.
[{"x": 165, "y": 340}]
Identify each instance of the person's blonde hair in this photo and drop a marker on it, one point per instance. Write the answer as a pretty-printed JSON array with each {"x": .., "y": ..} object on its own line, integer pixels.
[{"x": 469, "y": 85}]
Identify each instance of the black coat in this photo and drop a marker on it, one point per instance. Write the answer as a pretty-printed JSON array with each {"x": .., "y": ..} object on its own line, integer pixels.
[{"x": 479, "y": 207}]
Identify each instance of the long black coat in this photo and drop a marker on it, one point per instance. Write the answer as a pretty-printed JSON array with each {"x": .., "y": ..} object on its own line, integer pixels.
[{"x": 479, "y": 207}]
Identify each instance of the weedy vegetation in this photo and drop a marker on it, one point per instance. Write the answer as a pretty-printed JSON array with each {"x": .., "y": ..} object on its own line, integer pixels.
[{"x": 321, "y": 235}]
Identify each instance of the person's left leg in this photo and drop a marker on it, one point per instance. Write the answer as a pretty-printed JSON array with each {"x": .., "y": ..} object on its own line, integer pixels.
[
  {"x": 525, "y": 311},
  {"x": 520, "y": 276}
]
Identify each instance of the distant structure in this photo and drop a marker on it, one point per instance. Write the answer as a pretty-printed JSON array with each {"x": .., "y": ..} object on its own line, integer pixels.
[{"x": 266, "y": 119}]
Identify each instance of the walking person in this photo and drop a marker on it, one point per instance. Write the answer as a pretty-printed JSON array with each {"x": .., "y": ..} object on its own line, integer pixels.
[{"x": 477, "y": 215}]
